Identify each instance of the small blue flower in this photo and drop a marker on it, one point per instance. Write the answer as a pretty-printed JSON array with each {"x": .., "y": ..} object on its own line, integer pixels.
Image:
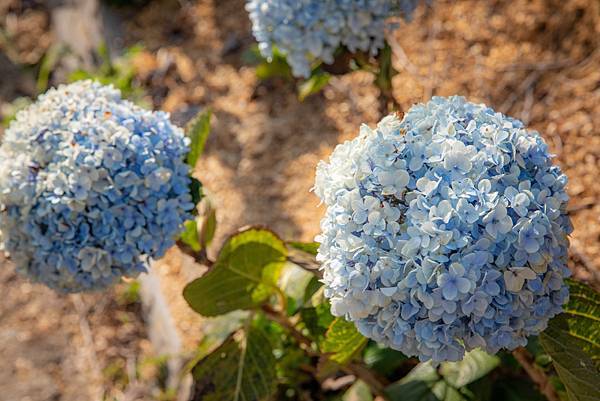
[
  {"x": 310, "y": 30},
  {"x": 93, "y": 186},
  {"x": 456, "y": 218}
]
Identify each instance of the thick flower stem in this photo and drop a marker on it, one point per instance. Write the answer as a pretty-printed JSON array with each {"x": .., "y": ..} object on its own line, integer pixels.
[
  {"x": 536, "y": 374},
  {"x": 199, "y": 257},
  {"x": 358, "y": 370}
]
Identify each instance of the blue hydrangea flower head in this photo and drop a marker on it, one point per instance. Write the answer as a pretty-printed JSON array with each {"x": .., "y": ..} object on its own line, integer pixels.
[
  {"x": 91, "y": 187},
  {"x": 445, "y": 231},
  {"x": 308, "y": 30}
]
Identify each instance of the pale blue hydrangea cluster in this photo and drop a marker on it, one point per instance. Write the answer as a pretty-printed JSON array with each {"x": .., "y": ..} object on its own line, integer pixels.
[
  {"x": 91, "y": 186},
  {"x": 444, "y": 231},
  {"x": 309, "y": 30}
]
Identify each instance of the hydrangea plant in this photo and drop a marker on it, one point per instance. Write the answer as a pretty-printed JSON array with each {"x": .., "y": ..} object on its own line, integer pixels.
[
  {"x": 445, "y": 231},
  {"x": 91, "y": 187},
  {"x": 309, "y": 30}
]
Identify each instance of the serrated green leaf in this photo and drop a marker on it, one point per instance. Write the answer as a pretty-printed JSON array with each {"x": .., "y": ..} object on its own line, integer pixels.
[
  {"x": 243, "y": 277},
  {"x": 572, "y": 340},
  {"x": 190, "y": 235},
  {"x": 474, "y": 365},
  {"x": 314, "y": 84},
  {"x": 308, "y": 247},
  {"x": 198, "y": 130},
  {"x": 342, "y": 341},
  {"x": 237, "y": 371}
]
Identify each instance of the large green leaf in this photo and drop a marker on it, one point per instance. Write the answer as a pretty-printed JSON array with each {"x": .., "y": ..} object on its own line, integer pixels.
[
  {"x": 308, "y": 247},
  {"x": 198, "y": 130},
  {"x": 474, "y": 365},
  {"x": 237, "y": 371},
  {"x": 572, "y": 339},
  {"x": 243, "y": 277},
  {"x": 342, "y": 341},
  {"x": 416, "y": 386},
  {"x": 448, "y": 383}
]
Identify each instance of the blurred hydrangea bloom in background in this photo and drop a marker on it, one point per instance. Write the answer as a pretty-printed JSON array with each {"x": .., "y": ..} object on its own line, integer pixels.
[
  {"x": 308, "y": 30},
  {"x": 444, "y": 231},
  {"x": 91, "y": 186}
]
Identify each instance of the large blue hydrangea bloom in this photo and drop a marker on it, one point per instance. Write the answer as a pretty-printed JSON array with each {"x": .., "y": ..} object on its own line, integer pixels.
[
  {"x": 91, "y": 186},
  {"x": 308, "y": 30},
  {"x": 444, "y": 231}
]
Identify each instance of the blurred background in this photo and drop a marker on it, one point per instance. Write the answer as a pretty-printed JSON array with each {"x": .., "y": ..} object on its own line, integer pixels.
[{"x": 537, "y": 60}]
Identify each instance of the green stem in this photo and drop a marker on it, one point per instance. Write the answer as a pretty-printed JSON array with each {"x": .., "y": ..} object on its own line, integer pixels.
[
  {"x": 357, "y": 369},
  {"x": 536, "y": 374}
]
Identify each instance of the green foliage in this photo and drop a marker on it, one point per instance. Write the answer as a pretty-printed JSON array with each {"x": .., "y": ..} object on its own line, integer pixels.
[
  {"x": 308, "y": 247},
  {"x": 474, "y": 365},
  {"x": 314, "y": 84},
  {"x": 190, "y": 235},
  {"x": 242, "y": 369},
  {"x": 276, "y": 67},
  {"x": 342, "y": 341},
  {"x": 448, "y": 383},
  {"x": 383, "y": 360},
  {"x": 572, "y": 340},
  {"x": 119, "y": 72},
  {"x": 243, "y": 277},
  {"x": 359, "y": 391},
  {"x": 198, "y": 130},
  {"x": 385, "y": 71},
  {"x": 207, "y": 221},
  {"x": 308, "y": 346},
  {"x": 196, "y": 192}
]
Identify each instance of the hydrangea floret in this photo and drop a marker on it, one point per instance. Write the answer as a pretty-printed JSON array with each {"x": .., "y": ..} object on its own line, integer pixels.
[
  {"x": 91, "y": 187},
  {"x": 309, "y": 30},
  {"x": 445, "y": 231}
]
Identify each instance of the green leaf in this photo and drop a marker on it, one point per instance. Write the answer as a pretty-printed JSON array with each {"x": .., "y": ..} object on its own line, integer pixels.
[
  {"x": 317, "y": 81},
  {"x": 515, "y": 389},
  {"x": 342, "y": 341},
  {"x": 276, "y": 66},
  {"x": 386, "y": 71},
  {"x": 237, "y": 371},
  {"x": 190, "y": 235},
  {"x": 382, "y": 359},
  {"x": 311, "y": 288},
  {"x": 448, "y": 383},
  {"x": 475, "y": 364},
  {"x": 416, "y": 386},
  {"x": 196, "y": 192},
  {"x": 308, "y": 247},
  {"x": 359, "y": 391},
  {"x": 207, "y": 221},
  {"x": 572, "y": 340},
  {"x": 243, "y": 277},
  {"x": 198, "y": 130}
]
